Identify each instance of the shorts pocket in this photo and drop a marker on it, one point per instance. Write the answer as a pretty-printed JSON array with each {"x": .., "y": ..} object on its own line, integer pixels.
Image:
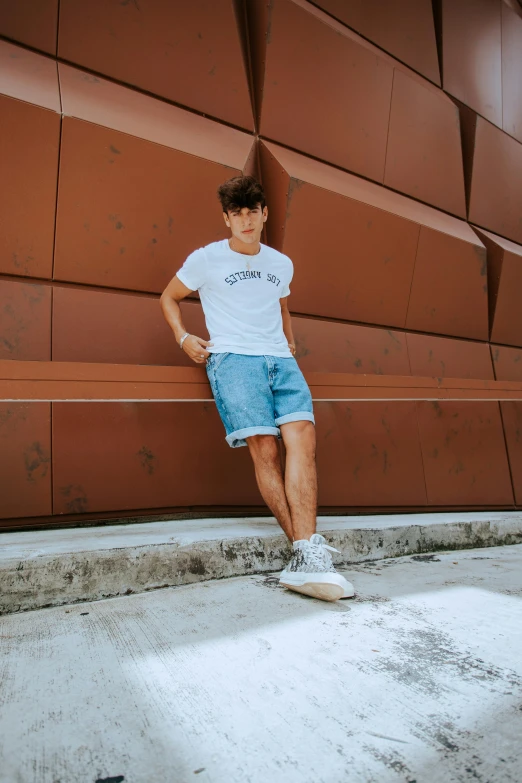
[{"x": 219, "y": 358}]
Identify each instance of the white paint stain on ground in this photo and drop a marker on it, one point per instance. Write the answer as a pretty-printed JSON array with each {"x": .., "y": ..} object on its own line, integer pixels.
[{"x": 418, "y": 679}]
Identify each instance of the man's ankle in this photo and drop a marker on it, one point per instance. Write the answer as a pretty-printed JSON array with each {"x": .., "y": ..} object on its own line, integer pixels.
[{"x": 299, "y": 542}]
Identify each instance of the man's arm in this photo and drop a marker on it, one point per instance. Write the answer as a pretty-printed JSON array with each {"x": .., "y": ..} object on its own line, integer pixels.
[
  {"x": 194, "y": 347},
  {"x": 287, "y": 324}
]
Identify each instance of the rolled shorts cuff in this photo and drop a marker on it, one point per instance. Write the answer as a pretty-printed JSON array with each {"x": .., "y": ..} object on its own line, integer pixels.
[
  {"x": 237, "y": 438},
  {"x": 298, "y": 416}
]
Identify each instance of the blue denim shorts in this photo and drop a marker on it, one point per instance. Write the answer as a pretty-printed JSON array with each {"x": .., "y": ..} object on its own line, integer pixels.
[{"x": 255, "y": 394}]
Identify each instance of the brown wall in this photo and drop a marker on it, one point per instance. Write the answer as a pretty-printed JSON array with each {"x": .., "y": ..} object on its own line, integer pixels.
[{"x": 389, "y": 143}]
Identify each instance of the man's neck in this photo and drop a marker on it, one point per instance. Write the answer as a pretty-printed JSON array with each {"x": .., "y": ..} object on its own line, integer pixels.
[{"x": 245, "y": 249}]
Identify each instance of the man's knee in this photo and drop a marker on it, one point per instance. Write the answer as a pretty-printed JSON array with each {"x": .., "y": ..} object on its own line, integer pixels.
[
  {"x": 299, "y": 435},
  {"x": 263, "y": 447}
]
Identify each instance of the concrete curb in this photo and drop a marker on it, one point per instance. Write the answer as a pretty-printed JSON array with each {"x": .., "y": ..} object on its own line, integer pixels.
[{"x": 51, "y": 568}]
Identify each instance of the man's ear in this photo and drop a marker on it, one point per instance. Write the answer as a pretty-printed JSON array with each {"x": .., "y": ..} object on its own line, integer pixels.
[
  {"x": 265, "y": 214},
  {"x": 225, "y": 218}
]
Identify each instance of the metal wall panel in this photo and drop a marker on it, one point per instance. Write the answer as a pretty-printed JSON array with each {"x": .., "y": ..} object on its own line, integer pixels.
[
  {"x": 25, "y": 321},
  {"x": 464, "y": 454},
  {"x": 189, "y": 53},
  {"x": 323, "y": 93},
  {"x": 505, "y": 280},
  {"x": 131, "y": 329},
  {"x": 507, "y": 363},
  {"x": 32, "y": 22},
  {"x": 326, "y": 346},
  {"x": 383, "y": 236},
  {"x": 511, "y": 71},
  {"x": 126, "y": 217},
  {"x": 496, "y": 185},
  {"x": 424, "y": 154},
  {"x": 91, "y": 98},
  {"x": 29, "y": 77},
  {"x": 156, "y": 454},
  {"x": 25, "y": 470},
  {"x": 358, "y": 270},
  {"x": 29, "y": 139},
  {"x": 281, "y": 164},
  {"x": 404, "y": 28},
  {"x": 127, "y": 329},
  {"x": 463, "y": 447},
  {"x": 449, "y": 289},
  {"x": 441, "y": 357},
  {"x": 368, "y": 454},
  {"x": 512, "y": 422},
  {"x": 471, "y": 54},
  {"x": 353, "y": 132}
]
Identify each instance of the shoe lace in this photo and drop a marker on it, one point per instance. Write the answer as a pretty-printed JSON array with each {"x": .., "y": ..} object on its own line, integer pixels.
[{"x": 318, "y": 553}]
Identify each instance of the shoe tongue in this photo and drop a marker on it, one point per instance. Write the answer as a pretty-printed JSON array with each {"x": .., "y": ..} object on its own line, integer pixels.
[{"x": 301, "y": 544}]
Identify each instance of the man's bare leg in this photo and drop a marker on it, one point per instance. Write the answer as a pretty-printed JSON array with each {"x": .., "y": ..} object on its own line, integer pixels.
[
  {"x": 264, "y": 451},
  {"x": 301, "y": 476},
  {"x": 292, "y": 499}
]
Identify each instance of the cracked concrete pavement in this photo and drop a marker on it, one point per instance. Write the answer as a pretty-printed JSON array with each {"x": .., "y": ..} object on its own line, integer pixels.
[{"x": 417, "y": 680}]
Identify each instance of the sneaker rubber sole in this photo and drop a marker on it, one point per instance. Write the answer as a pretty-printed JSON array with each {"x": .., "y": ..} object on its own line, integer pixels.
[
  {"x": 317, "y": 590},
  {"x": 326, "y": 587}
]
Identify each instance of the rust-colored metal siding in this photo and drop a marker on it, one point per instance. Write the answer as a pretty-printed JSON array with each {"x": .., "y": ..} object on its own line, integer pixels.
[
  {"x": 25, "y": 457},
  {"x": 25, "y": 321},
  {"x": 505, "y": 284},
  {"x": 482, "y": 59},
  {"x": 29, "y": 145},
  {"x": 464, "y": 454},
  {"x": 189, "y": 53},
  {"x": 496, "y": 182},
  {"x": 368, "y": 454},
  {"x": 107, "y": 232},
  {"x": 424, "y": 155},
  {"x": 157, "y": 455},
  {"x": 472, "y": 54},
  {"x": 441, "y": 357},
  {"x": 324, "y": 93},
  {"x": 31, "y": 22},
  {"x": 449, "y": 288},
  {"x": 367, "y": 258},
  {"x": 507, "y": 363},
  {"x": 404, "y": 28},
  {"x": 113, "y": 142},
  {"x": 112, "y": 327},
  {"x": 511, "y": 71},
  {"x": 327, "y": 346}
]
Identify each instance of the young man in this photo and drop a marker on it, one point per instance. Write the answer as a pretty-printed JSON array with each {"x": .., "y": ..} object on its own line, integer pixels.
[{"x": 260, "y": 392}]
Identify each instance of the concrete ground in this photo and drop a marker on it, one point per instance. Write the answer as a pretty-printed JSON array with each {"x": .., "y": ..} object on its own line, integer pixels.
[{"x": 418, "y": 679}]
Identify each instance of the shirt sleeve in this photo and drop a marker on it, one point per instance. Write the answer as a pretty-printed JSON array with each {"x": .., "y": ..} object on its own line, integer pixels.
[
  {"x": 286, "y": 286},
  {"x": 193, "y": 272}
]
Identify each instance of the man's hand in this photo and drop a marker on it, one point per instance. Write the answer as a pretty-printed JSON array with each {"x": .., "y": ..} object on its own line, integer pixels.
[
  {"x": 290, "y": 345},
  {"x": 195, "y": 348}
]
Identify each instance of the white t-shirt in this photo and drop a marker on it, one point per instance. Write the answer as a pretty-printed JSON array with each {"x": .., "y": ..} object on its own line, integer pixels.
[{"x": 241, "y": 305}]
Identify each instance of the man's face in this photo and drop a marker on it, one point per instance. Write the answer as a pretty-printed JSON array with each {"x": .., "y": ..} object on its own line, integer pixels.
[{"x": 246, "y": 224}]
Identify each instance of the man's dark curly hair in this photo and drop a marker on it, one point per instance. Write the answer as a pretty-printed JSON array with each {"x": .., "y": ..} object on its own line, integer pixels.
[{"x": 240, "y": 192}]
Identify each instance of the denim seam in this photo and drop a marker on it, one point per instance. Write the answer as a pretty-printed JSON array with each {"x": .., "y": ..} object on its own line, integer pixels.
[
  {"x": 305, "y": 414},
  {"x": 222, "y": 402},
  {"x": 213, "y": 383},
  {"x": 233, "y": 435},
  {"x": 222, "y": 356}
]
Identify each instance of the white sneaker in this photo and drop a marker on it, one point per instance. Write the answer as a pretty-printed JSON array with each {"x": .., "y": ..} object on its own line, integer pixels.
[{"x": 311, "y": 571}]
